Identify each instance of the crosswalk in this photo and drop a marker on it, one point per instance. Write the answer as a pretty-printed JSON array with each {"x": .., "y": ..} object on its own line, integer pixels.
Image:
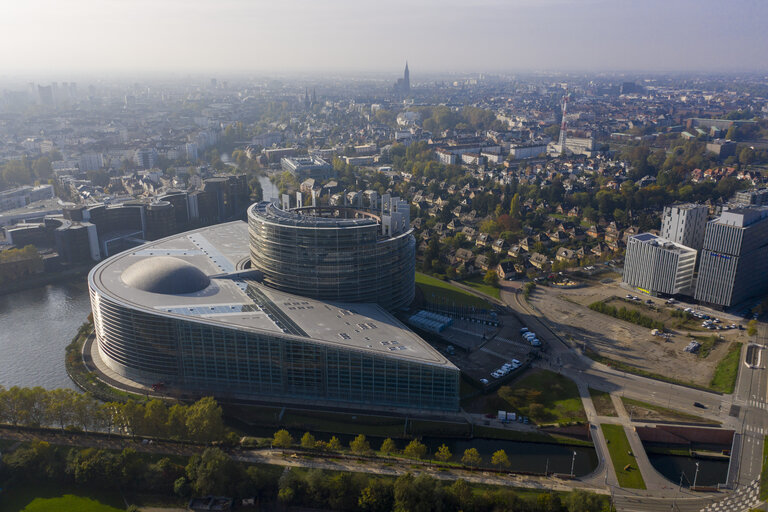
[
  {"x": 756, "y": 430},
  {"x": 759, "y": 404},
  {"x": 744, "y": 499}
]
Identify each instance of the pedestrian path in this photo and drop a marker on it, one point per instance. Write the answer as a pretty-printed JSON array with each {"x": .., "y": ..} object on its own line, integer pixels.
[
  {"x": 742, "y": 500},
  {"x": 756, "y": 429}
]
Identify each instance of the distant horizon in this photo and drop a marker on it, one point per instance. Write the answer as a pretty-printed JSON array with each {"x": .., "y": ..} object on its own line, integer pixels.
[{"x": 179, "y": 37}]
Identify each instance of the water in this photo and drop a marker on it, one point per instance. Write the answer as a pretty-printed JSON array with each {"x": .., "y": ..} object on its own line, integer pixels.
[
  {"x": 711, "y": 472},
  {"x": 269, "y": 190},
  {"x": 35, "y": 327}
]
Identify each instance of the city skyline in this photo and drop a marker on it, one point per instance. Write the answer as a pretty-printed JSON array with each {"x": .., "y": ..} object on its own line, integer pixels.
[{"x": 233, "y": 36}]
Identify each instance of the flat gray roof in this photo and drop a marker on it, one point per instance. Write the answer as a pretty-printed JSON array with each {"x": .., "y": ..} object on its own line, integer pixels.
[{"x": 234, "y": 300}]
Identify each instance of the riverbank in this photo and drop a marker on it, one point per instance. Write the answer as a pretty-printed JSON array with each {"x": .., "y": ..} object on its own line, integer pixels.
[{"x": 46, "y": 278}]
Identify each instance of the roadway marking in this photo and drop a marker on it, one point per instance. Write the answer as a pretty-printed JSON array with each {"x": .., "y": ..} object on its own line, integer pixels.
[{"x": 745, "y": 498}]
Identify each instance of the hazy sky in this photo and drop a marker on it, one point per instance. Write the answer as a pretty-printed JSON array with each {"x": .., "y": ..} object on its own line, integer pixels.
[{"x": 347, "y": 35}]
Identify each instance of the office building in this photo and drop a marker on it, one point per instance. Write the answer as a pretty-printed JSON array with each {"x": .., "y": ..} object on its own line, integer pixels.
[
  {"x": 734, "y": 259},
  {"x": 657, "y": 265},
  {"x": 308, "y": 167},
  {"x": 684, "y": 224},
  {"x": 336, "y": 252},
  {"x": 22, "y": 196},
  {"x": 188, "y": 311},
  {"x": 755, "y": 196}
]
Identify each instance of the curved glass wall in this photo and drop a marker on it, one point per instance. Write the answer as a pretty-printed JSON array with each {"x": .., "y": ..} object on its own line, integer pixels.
[
  {"x": 331, "y": 259},
  {"x": 149, "y": 347}
]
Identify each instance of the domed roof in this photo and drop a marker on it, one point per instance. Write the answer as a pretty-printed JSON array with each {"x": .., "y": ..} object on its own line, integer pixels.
[{"x": 165, "y": 274}]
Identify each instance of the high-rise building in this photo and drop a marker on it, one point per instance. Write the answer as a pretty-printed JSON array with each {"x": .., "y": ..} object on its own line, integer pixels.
[
  {"x": 734, "y": 259},
  {"x": 684, "y": 224},
  {"x": 657, "y": 265},
  {"x": 145, "y": 157}
]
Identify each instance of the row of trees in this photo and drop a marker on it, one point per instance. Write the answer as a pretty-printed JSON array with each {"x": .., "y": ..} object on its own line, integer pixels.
[
  {"x": 423, "y": 493},
  {"x": 215, "y": 472},
  {"x": 26, "y": 170},
  {"x": 629, "y": 315},
  {"x": 67, "y": 409},
  {"x": 15, "y": 264},
  {"x": 413, "y": 450}
]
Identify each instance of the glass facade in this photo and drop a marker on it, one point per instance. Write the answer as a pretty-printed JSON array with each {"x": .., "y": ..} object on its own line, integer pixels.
[
  {"x": 342, "y": 259},
  {"x": 209, "y": 358}
]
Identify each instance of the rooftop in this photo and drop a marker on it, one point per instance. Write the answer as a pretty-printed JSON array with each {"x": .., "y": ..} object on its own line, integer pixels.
[
  {"x": 669, "y": 245},
  {"x": 222, "y": 293}
]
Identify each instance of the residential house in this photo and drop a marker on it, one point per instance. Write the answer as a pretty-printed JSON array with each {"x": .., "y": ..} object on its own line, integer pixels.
[
  {"x": 499, "y": 246},
  {"x": 538, "y": 260},
  {"x": 482, "y": 262},
  {"x": 506, "y": 270},
  {"x": 566, "y": 255}
]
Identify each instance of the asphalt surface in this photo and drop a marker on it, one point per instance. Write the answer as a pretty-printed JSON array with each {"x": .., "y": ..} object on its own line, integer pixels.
[{"x": 745, "y": 411}]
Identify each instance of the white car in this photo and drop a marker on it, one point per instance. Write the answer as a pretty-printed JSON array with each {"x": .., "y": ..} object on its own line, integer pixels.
[{"x": 515, "y": 362}]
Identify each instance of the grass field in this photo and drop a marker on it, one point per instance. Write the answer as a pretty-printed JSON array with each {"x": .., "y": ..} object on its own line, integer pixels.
[
  {"x": 727, "y": 370},
  {"x": 602, "y": 402},
  {"x": 545, "y": 397},
  {"x": 622, "y": 457},
  {"x": 643, "y": 410},
  {"x": 435, "y": 290},
  {"x": 46, "y": 497},
  {"x": 478, "y": 284}
]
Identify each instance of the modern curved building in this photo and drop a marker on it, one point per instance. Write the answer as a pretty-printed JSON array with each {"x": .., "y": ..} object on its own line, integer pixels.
[
  {"x": 333, "y": 253},
  {"x": 189, "y": 311}
]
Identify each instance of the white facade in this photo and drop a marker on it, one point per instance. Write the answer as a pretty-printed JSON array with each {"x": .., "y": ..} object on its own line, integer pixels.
[{"x": 685, "y": 224}]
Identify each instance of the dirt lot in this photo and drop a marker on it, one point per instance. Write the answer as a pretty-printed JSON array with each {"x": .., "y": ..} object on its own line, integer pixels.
[{"x": 623, "y": 341}]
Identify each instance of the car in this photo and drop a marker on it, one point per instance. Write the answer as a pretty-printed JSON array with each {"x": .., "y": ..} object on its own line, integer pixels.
[
  {"x": 525, "y": 419},
  {"x": 496, "y": 375},
  {"x": 484, "y": 381},
  {"x": 535, "y": 342},
  {"x": 523, "y": 330},
  {"x": 515, "y": 361},
  {"x": 629, "y": 296},
  {"x": 699, "y": 405}
]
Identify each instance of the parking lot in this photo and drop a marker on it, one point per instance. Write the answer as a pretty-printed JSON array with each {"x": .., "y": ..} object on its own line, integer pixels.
[{"x": 481, "y": 362}]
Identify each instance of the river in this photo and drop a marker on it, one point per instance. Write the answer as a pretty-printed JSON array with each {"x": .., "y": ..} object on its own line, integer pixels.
[
  {"x": 269, "y": 190},
  {"x": 35, "y": 327}
]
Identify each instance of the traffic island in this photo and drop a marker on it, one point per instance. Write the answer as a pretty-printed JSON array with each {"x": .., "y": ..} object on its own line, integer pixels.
[{"x": 624, "y": 462}]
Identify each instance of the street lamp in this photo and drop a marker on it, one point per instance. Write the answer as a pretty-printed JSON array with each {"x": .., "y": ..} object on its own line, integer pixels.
[
  {"x": 573, "y": 463},
  {"x": 695, "y": 476},
  {"x": 546, "y": 468}
]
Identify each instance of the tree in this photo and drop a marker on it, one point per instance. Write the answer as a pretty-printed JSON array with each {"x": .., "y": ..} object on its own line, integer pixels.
[
  {"x": 360, "y": 445},
  {"x": 443, "y": 454},
  {"x": 415, "y": 450},
  {"x": 514, "y": 206},
  {"x": 308, "y": 441},
  {"x": 500, "y": 459},
  {"x": 282, "y": 439},
  {"x": 491, "y": 278},
  {"x": 378, "y": 496},
  {"x": 752, "y": 327},
  {"x": 213, "y": 472},
  {"x": 388, "y": 447},
  {"x": 204, "y": 420},
  {"x": 156, "y": 417},
  {"x": 333, "y": 444},
  {"x": 471, "y": 457}
]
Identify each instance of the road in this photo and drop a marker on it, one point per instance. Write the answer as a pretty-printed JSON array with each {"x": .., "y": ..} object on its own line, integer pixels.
[{"x": 745, "y": 411}]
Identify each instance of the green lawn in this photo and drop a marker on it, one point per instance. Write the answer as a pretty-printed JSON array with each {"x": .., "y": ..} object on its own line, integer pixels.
[
  {"x": 478, "y": 284},
  {"x": 622, "y": 457},
  {"x": 45, "y": 497},
  {"x": 659, "y": 413},
  {"x": 602, "y": 402},
  {"x": 727, "y": 370},
  {"x": 439, "y": 291},
  {"x": 68, "y": 503},
  {"x": 544, "y": 396}
]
